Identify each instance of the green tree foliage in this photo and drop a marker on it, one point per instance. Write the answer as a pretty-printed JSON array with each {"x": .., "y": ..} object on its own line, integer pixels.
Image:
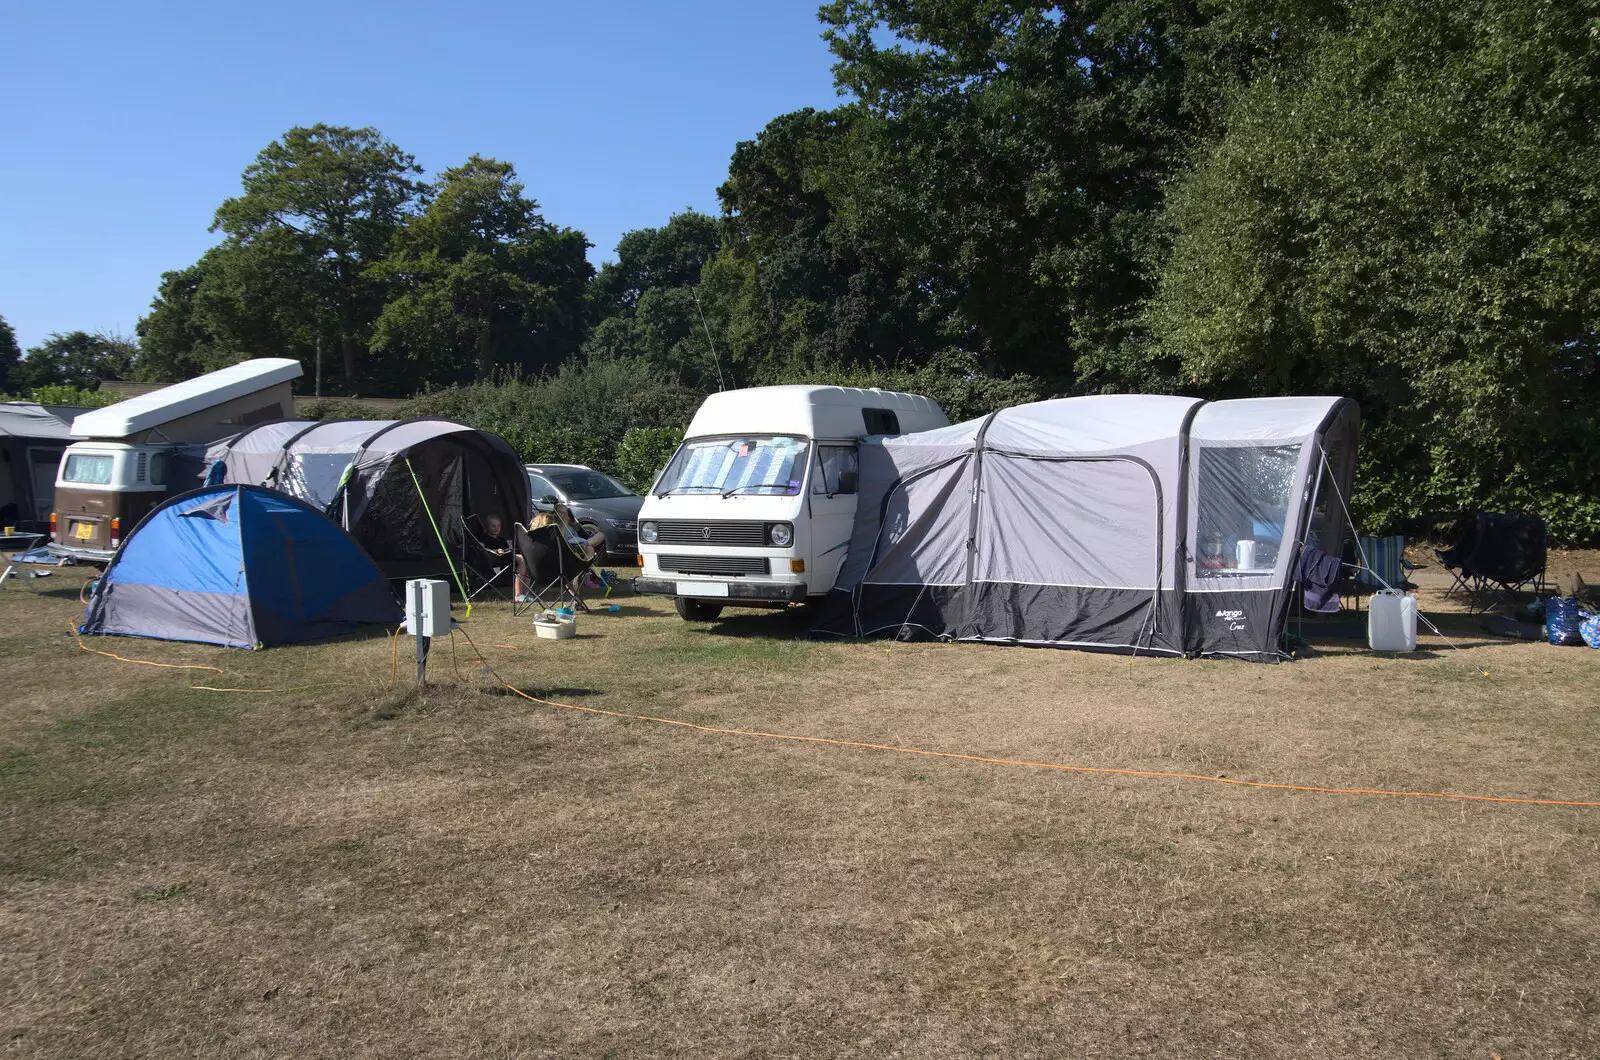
[
  {"x": 481, "y": 281},
  {"x": 578, "y": 415},
  {"x": 1410, "y": 221},
  {"x": 655, "y": 258},
  {"x": 649, "y": 303},
  {"x": 643, "y": 452},
  {"x": 798, "y": 287},
  {"x": 1011, "y": 163},
  {"x": 76, "y": 359},
  {"x": 79, "y": 397},
  {"x": 320, "y": 207},
  {"x": 10, "y": 354}
]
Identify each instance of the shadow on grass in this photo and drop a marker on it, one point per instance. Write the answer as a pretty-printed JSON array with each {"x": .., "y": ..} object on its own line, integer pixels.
[
  {"x": 792, "y": 623},
  {"x": 541, "y": 693}
]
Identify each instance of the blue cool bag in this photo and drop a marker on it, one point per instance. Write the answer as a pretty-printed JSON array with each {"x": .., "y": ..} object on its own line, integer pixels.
[
  {"x": 1590, "y": 629},
  {"x": 1561, "y": 621}
]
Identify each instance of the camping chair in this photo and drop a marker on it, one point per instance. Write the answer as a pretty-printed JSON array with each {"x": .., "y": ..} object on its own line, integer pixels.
[
  {"x": 488, "y": 565},
  {"x": 552, "y": 568},
  {"x": 1497, "y": 555}
]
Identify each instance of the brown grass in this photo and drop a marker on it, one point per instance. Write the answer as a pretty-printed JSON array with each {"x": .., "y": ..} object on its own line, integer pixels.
[{"x": 374, "y": 870}]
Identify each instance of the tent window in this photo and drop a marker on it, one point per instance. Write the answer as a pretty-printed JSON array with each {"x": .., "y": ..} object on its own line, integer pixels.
[
  {"x": 836, "y": 470},
  {"x": 1242, "y": 508}
]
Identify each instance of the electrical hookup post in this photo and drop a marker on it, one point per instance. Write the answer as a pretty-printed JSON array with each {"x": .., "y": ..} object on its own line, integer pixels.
[{"x": 427, "y": 616}]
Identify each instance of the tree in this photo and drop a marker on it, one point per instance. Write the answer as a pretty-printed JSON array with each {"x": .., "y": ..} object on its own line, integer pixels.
[
  {"x": 1009, "y": 159},
  {"x": 482, "y": 280},
  {"x": 10, "y": 355},
  {"x": 669, "y": 256},
  {"x": 803, "y": 288},
  {"x": 648, "y": 304},
  {"x": 320, "y": 207},
  {"x": 1408, "y": 220},
  {"x": 76, "y": 359}
]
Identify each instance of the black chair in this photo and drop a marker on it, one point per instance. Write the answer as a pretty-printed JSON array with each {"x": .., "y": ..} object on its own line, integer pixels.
[
  {"x": 551, "y": 566},
  {"x": 1497, "y": 555},
  {"x": 485, "y": 565}
]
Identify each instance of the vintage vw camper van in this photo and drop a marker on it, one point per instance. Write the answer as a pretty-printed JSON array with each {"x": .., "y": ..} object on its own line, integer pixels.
[
  {"x": 756, "y": 507},
  {"x": 133, "y": 452}
]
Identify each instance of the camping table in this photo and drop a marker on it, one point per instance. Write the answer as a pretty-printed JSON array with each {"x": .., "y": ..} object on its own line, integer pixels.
[{"x": 14, "y": 545}]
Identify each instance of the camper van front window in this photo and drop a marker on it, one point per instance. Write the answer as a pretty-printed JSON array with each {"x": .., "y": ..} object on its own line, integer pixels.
[
  {"x": 768, "y": 465},
  {"x": 93, "y": 469}
]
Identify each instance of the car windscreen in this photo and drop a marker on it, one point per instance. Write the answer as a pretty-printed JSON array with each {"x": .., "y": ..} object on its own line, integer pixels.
[
  {"x": 90, "y": 468},
  {"x": 756, "y": 464},
  {"x": 588, "y": 485}
]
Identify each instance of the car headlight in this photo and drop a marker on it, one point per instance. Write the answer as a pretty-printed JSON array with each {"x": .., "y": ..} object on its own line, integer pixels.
[
  {"x": 647, "y": 533},
  {"x": 622, "y": 524},
  {"x": 780, "y": 534}
]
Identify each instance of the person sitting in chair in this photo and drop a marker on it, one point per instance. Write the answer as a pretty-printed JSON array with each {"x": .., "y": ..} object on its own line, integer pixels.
[
  {"x": 500, "y": 545},
  {"x": 585, "y": 546}
]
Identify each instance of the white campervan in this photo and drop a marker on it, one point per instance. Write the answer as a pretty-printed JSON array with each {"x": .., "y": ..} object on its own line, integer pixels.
[{"x": 756, "y": 507}]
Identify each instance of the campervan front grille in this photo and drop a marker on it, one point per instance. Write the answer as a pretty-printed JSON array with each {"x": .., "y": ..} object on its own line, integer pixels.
[
  {"x": 681, "y": 532},
  {"x": 736, "y": 566}
]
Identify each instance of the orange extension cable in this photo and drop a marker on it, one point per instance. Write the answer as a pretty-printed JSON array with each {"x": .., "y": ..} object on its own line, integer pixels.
[{"x": 863, "y": 745}]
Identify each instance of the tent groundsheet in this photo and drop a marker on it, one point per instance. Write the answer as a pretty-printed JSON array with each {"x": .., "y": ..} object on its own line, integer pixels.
[
  {"x": 1128, "y": 523},
  {"x": 241, "y": 566}
]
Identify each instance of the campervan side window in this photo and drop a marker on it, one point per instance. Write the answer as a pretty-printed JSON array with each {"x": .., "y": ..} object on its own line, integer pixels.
[
  {"x": 158, "y": 468},
  {"x": 835, "y": 470},
  {"x": 92, "y": 469},
  {"x": 1242, "y": 507}
]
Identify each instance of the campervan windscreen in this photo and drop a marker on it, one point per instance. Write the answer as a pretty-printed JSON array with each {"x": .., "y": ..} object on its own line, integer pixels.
[{"x": 763, "y": 464}]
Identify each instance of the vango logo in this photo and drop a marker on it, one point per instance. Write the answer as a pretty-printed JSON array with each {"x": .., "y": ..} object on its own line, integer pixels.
[{"x": 1230, "y": 615}]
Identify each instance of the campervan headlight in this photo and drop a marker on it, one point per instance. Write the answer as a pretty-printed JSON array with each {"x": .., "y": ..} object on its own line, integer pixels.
[
  {"x": 647, "y": 533},
  {"x": 780, "y": 534}
]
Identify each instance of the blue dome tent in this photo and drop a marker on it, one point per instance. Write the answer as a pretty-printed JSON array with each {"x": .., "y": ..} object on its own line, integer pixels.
[{"x": 241, "y": 566}]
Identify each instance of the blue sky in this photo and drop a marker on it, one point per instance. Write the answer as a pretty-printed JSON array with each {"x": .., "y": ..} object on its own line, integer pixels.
[{"x": 123, "y": 125}]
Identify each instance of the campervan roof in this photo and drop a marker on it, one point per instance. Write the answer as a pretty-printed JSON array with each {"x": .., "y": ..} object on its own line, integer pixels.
[
  {"x": 183, "y": 399},
  {"x": 810, "y": 411}
]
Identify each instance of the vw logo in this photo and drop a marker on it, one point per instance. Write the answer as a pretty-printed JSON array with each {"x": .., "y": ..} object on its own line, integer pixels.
[{"x": 705, "y": 532}]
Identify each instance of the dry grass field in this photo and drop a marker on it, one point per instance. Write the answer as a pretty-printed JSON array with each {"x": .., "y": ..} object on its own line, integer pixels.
[{"x": 363, "y": 869}]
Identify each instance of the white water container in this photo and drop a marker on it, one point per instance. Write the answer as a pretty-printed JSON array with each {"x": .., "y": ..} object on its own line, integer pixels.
[
  {"x": 1245, "y": 554},
  {"x": 1392, "y": 622}
]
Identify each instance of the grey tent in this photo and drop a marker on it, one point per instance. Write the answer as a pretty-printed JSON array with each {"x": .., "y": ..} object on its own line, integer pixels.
[
  {"x": 397, "y": 486},
  {"x": 1128, "y": 523},
  {"x": 32, "y": 438}
]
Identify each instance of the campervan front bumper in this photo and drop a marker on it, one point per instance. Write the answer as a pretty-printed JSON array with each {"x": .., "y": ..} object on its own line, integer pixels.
[{"x": 780, "y": 592}]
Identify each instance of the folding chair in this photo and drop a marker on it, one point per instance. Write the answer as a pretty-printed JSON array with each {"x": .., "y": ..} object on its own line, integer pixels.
[
  {"x": 484, "y": 564},
  {"x": 1386, "y": 566},
  {"x": 1498, "y": 555},
  {"x": 550, "y": 567}
]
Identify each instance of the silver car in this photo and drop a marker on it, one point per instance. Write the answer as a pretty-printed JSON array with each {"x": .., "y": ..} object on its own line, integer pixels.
[{"x": 597, "y": 501}]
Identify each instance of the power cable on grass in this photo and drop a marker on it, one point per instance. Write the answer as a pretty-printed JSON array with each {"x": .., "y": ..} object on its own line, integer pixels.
[{"x": 1022, "y": 763}]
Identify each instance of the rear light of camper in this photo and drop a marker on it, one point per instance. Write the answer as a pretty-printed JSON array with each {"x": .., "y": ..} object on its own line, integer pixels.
[
  {"x": 52, "y": 526},
  {"x": 116, "y": 532}
]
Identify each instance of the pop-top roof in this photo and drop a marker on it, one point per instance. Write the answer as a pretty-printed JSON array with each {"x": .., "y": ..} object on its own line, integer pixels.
[{"x": 186, "y": 398}]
